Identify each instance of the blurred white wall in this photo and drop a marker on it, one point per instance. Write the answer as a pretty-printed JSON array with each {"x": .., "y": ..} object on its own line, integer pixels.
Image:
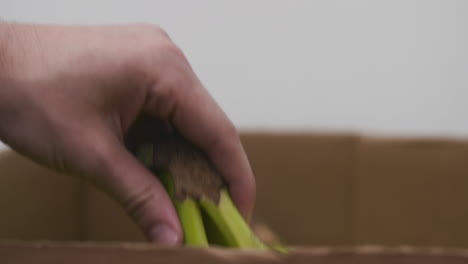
[{"x": 392, "y": 67}]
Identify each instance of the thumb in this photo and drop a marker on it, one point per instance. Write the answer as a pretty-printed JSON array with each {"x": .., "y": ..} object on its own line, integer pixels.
[{"x": 120, "y": 174}]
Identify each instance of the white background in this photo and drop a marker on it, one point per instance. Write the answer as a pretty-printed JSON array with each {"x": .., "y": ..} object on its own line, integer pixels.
[{"x": 391, "y": 67}]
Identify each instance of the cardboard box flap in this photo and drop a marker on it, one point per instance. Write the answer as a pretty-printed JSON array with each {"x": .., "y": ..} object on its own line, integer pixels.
[
  {"x": 37, "y": 203},
  {"x": 412, "y": 191},
  {"x": 142, "y": 253},
  {"x": 313, "y": 189},
  {"x": 304, "y": 180}
]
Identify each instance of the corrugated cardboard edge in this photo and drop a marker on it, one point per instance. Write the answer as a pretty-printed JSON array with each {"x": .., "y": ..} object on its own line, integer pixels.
[{"x": 17, "y": 252}]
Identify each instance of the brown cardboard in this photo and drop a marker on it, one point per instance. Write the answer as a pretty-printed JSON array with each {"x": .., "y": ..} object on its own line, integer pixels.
[
  {"x": 313, "y": 189},
  {"x": 413, "y": 191},
  {"x": 71, "y": 253},
  {"x": 36, "y": 203},
  {"x": 106, "y": 220},
  {"x": 303, "y": 185}
]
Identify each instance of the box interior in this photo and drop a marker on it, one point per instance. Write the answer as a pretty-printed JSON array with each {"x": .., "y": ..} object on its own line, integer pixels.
[{"x": 313, "y": 189}]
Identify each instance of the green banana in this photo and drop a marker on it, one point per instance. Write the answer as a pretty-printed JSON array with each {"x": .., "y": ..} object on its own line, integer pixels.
[
  {"x": 206, "y": 218},
  {"x": 189, "y": 215},
  {"x": 187, "y": 210},
  {"x": 192, "y": 223},
  {"x": 233, "y": 230}
]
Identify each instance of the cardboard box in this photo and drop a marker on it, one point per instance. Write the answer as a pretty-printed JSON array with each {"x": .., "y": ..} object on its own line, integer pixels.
[
  {"x": 313, "y": 190},
  {"x": 96, "y": 253}
]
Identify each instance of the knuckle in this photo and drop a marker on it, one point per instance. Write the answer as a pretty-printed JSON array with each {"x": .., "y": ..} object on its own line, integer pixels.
[
  {"x": 230, "y": 132},
  {"x": 152, "y": 29},
  {"x": 154, "y": 44},
  {"x": 157, "y": 38},
  {"x": 170, "y": 49},
  {"x": 162, "y": 102},
  {"x": 135, "y": 203},
  {"x": 226, "y": 141},
  {"x": 163, "y": 54},
  {"x": 159, "y": 30}
]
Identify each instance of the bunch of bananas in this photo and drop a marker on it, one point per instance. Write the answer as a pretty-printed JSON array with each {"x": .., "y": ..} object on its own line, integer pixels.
[{"x": 205, "y": 209}]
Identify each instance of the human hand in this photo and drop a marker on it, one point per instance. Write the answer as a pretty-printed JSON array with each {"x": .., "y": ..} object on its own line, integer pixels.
[{"x": 70, "y": 94}]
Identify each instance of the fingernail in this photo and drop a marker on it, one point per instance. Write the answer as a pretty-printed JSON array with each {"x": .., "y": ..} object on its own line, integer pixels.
[{"x": 162, "y": 234}]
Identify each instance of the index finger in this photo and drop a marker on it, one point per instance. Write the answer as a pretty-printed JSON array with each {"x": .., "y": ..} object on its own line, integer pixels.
[{"x": 199, "y": 118}]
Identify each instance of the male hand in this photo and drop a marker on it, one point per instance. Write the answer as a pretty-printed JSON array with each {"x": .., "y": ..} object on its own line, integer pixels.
[{"x": 70, "y": 94}]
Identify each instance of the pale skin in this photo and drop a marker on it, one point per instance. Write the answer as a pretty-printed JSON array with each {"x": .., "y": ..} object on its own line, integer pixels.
[{"x": 70, "y": 94}]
